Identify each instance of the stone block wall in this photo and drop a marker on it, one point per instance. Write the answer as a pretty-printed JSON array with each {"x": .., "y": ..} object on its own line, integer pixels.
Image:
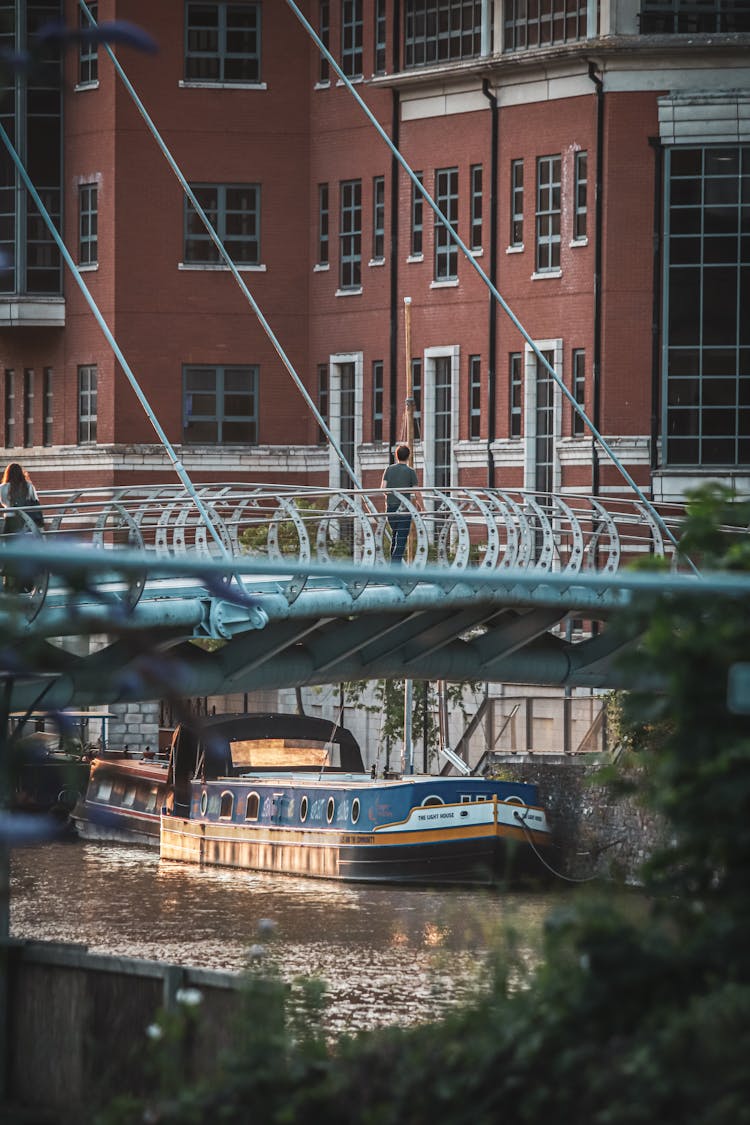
[{"x": 594, "y": 834}]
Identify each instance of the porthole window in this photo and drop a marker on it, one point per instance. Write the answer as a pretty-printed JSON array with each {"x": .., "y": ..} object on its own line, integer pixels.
[
  {"x": 303, "y": 809},
  {"x": 227, "y": 805},
  {"x": 433, "y": 799},
  {"x": 330, "y": 809},
  {"x": 204, "y": 802},
  {"x": 251, "y": 809},
  {"x": 355, "y": 810}
]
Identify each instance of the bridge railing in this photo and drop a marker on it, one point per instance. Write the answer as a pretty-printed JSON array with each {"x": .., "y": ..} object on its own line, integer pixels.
[
  {"x": 459, "y": 527},
  {"x": 461, "y": 530}
]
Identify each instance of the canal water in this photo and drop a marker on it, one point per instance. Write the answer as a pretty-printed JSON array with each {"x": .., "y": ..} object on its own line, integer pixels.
[{"x": 388, "y": 955}]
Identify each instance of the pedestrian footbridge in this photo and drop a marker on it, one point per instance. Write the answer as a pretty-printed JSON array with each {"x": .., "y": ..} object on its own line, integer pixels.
[{"x": 138, "y": 593}]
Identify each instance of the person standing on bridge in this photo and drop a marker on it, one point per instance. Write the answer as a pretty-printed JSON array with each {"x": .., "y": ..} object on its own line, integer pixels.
[
  {"x": 402, "y": 476},
  {"x": 17, "y": 491}
]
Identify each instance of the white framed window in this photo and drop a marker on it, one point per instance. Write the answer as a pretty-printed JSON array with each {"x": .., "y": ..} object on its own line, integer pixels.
[
  {"x": 542, "y": 417},
  {"x": 346, "y": 409},
  {"x": 440, "y": 399}
]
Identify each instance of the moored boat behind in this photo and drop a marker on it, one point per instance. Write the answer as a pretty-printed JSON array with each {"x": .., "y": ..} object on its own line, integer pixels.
[{"x": 123, "y": 800}]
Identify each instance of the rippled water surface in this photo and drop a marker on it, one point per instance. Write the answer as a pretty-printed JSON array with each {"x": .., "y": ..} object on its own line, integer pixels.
[{"x": 387, "y": 954}]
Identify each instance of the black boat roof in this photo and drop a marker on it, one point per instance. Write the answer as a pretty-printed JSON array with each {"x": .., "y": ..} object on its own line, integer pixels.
[{"x": 215, "y": 734}]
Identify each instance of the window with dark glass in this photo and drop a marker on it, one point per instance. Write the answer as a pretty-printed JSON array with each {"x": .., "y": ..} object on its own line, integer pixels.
[
  {"x": 347, "y": 419},
  {"x": 87, "y": 380},
  {"x": 694, "y": 17},
  {"x": 88, "y": 245},
  {"x": 548, "y": 196},
  {"x": 28, "y": 407},
  {"x": 47, "y": 406},
  {"x": 323, "y": 222},
  {"x": 222, "y": 41},
  {"x": 32, "y": 116},
  {"x": 706, "y": 327},
  {"x": 380, "y": 32},
  {"x": 580, "y": 189},
  {"x": 9, "y": 399},
  {"x": 377, "y": 400},
  {"x": 443, "y": 419},
  {"x": 578, "y": 426},
  {"x": 88, "y": 57},
  {"x": 446, "y": 197},
  {"x": 351, "y": 38},
  {"x": 476, "y": 206},
  {"x": 417, "y": 217},
  {"x": 221, "y": 405},
  {"x": 234, "y": 212},
  {"x": 416, "y": 390},
  {"x": 530, "y": 25},
  {"x": 378, "y": 217},
  {"x": 323, "y": 400},
  {"x": 516, "y": 203},
  {"x": 515, "y": 385},
  {"x": 475, "y": 396},
  {"x": 350, "y": 235},
  {"x": 438, "y": 31},
  {"x": 324, "y": 31}
]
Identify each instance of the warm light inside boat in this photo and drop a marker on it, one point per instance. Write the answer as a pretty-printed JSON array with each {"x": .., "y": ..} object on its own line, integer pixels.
[{"x": 267, "y": 753}]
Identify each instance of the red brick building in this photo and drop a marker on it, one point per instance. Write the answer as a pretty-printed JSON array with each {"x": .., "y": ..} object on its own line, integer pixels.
[{"x": 594, "y": 157}]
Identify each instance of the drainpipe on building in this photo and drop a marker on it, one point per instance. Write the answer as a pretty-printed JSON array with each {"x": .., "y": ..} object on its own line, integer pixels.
[
  {"x": 492, "y": 307},
  {"x": 656, "y": 145},
  {"x": 599, "y": 189},
  {"x": 395, "y": 172},
  {"x": 394, "y": 302}
]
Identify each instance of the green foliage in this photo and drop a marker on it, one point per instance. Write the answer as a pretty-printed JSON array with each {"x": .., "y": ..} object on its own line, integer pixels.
[
  {"x": 631, "y": 1018},
  {"x": 313, "y": 512},
  {"x": 386, "y": 698}
]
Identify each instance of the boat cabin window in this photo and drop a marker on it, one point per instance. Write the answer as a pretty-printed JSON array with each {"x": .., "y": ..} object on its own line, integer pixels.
[
  {"x": 467, "y": 798},
  {"x": 355, "y": 810},
  {"x": 227, "y": 805},
  {"x": 268, "y": 753},
  {"x": 303, "y": 807},
  {"x": 330, "y": 809},
  {"x": 204, "y": 802},
  {"x": 150, "y": 803},
  {"x": 103, "y": 790},
  {"x": 252, "y": 807},
  {"x": 128, "y": 799},
  {"x": 433, "y": 799}
]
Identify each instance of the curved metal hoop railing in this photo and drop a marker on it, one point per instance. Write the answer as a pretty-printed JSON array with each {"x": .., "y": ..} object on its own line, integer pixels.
[{"x": 459, "y": 530}]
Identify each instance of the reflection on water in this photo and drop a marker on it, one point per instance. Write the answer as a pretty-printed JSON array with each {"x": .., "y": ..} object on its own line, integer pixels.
[{"x": 387, "y": 954}]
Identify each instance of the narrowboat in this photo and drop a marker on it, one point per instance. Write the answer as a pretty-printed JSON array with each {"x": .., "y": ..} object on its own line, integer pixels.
[
  {"x": 123, "y": 799},
  {"x": 289, "y": 794}
]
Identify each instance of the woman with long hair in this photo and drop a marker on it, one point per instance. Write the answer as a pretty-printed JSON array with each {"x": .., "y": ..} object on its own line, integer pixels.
[
  {"x": 17, "y": 491},
  {"x": 16, "y": 488}
]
